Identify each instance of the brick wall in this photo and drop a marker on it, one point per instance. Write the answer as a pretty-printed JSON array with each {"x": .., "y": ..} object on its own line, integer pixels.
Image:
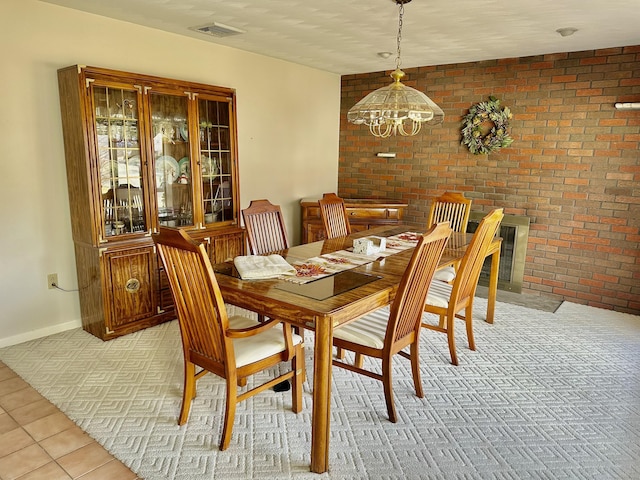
[{"x": 574, "y": 167}]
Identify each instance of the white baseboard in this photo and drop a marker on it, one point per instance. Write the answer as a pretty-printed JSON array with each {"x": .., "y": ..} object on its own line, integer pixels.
[{"x": 43, "y": 332}]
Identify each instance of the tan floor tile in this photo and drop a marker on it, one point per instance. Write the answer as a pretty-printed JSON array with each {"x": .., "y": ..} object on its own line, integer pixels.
[
  {"x": 66, "y": 442},
  {"x": 33, "y": 411},
  {"x": 13, "y": 441},
  {"x": 20, "y": 398},
  {"x": 7, "y": 423},
  {"x": 11, "y": 385},
  {"x": 84, "y": 460},
  {"x": 23, "y": 461},
  {"x": 51, "y": 471},
  {"x": 6, "y": 373},
  {"x": 49, "y": 425},
  {"x": 109, "y": 471}
]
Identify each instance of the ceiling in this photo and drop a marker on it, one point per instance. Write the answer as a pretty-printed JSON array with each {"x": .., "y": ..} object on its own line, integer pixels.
[{"x": 344, "y": 36}]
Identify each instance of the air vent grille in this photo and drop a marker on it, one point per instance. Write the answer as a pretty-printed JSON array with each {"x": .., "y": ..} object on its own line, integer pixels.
[{"x": 218, "y": 30}]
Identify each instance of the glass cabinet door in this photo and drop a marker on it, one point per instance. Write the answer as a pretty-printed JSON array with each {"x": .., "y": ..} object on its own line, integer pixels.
[
  {"x": 215, "y": 160},
  {"x": 170, "y": 132},
  {"x": 118, "y": 144}
]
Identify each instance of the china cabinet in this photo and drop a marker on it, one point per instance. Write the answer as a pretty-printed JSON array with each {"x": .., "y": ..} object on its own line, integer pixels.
[
  {"x": 363, "y": 214},
  {"x": 144, "y": 152}
]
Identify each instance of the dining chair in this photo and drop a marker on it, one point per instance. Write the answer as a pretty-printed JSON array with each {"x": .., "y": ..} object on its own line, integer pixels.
[
  {"x": 264, "y": 223},
  {"x": 266, "y": 233},
  {"x": 386, "y": 332},
  {"x": 231, "y": 347},
  {"x": 455, "y": 208},
  {"x": 334, "y": 216},
  {"x": 447, "y": 300}
]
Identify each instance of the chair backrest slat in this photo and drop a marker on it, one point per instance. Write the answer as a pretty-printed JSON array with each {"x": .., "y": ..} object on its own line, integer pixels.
[
  {"x": 334, "y": 216},
  {"x": 471, "y": 264},
  {"x": 407, "y": 307},
  {"x": 265, "y": 227}
]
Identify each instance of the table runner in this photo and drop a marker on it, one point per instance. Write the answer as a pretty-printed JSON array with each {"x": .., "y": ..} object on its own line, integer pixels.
[{"x": 331, "y": 263}]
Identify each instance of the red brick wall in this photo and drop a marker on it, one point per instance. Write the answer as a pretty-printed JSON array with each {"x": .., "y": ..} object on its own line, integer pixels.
[{"x": 574, "y": 167}]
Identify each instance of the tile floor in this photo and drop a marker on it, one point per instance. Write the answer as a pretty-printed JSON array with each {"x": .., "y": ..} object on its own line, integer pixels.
[{"x": 38, "y": 442}]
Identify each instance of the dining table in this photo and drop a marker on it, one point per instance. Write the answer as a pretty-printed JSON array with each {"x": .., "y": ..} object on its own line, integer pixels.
[{"x": 328, "y": 303}]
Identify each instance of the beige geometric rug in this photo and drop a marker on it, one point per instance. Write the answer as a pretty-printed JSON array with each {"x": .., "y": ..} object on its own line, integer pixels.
[{"x": 546, "y": 395}]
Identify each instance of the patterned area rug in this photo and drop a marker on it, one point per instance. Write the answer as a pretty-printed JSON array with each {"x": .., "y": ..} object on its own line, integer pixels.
[{"x": 546, "y": 395}]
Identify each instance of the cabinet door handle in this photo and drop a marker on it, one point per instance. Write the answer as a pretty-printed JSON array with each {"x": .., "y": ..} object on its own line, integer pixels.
[{"x": 132, "y": 285}]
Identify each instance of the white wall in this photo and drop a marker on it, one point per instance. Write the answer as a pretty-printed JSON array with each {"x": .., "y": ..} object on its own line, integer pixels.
[{"x": 285, "y": 151}]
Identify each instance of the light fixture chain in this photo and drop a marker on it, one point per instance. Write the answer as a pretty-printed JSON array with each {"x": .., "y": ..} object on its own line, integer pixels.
[{"x": 399, "y": 38}]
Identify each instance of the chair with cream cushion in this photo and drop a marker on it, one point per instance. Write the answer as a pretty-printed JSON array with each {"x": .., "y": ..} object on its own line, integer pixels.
[
  {"x": 447, "y": 300},
  {"x": 231, "y": 347},
  {"x": 385, "y": 332},
  {"x": 334, "y": 216},
  {"x": 452, "y": 207}
]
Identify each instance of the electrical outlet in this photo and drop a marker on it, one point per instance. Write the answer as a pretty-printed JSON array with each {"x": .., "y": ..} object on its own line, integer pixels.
[{"x": 52, "y": 280}]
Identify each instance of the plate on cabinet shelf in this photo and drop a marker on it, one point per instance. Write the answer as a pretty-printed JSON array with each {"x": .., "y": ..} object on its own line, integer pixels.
[
  {"x": 184, "y": 132},
  {"x": 167, "y": 169},
  {"x": 209, "y": 165},
  {"x": 130, "y": 171}
]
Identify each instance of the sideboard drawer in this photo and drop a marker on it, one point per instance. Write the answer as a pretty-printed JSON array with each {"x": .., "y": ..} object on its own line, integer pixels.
[{"x": 367, "y": 212}]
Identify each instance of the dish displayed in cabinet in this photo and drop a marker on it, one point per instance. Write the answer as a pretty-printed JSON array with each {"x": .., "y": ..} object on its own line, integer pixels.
[
  {"x": 167, "y": 169},
  {"x": 209, "y": 165}
]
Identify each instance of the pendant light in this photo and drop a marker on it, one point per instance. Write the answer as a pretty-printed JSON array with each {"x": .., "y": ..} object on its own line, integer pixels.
[{"x": 396, "y": 108}]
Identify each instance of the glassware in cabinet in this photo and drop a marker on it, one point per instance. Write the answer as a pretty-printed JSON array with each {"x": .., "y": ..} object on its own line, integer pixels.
[
  {"x": 215, "y": 160},
  {"x": 117, "y": 133},
  {"x": 174, "y": 190}
]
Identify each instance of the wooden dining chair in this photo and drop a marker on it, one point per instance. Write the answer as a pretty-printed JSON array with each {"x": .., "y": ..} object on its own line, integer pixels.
[
  {"x": 452, "y": 207},
  {"x": 384, "y": 333},
  {"x": 334, "y": 216},
  {"x": 264, "y": 223},
  {"x": 447, "y": 300},
  {"x": 266, "y": 233},
  {"x": 231, "y": 347}
]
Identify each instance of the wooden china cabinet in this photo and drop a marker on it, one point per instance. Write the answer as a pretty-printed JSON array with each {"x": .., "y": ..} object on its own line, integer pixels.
[{"x": 144, "y": 152}]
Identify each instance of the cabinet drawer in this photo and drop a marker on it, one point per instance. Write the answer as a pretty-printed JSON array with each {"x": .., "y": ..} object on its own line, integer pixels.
[{"x": 367, "y": 212}]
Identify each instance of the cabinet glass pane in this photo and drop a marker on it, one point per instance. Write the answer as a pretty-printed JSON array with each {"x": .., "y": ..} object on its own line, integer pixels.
[
  {"x": 171, "y": 159},
  {"x": 217, "y": 182},
  {"x": 117, "y": 134}
]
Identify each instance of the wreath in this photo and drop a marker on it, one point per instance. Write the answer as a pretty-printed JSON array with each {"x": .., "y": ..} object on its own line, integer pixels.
[{"x": 473, "y": 125}]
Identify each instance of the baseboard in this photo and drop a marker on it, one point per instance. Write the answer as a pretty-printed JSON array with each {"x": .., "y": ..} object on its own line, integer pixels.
[{"x": 43, "y": 332}]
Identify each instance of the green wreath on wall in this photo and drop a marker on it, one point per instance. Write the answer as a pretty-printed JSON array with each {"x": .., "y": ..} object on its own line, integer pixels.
[{"x": 474, "y": 125}]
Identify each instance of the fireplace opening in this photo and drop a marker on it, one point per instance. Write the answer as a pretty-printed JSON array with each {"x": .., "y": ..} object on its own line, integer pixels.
[{"x": 514, "y": 231}]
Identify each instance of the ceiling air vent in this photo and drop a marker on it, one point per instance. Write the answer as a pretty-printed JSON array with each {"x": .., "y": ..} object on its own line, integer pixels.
[{"x": 218, "y": 30}]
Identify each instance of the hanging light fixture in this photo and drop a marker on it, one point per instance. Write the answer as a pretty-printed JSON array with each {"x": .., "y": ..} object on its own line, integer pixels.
[{"x": 396, "y": 108}]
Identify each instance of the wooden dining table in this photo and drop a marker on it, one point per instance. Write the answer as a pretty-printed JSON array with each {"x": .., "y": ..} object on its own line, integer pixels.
[{"x": 326, "y": 304}]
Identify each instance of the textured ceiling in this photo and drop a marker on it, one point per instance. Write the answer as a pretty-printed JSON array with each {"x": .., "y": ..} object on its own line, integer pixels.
[{"x": 344, "y": 36}]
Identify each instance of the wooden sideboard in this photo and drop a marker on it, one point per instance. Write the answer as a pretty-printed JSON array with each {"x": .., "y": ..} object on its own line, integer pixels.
[{"x": 363, "y": 214}]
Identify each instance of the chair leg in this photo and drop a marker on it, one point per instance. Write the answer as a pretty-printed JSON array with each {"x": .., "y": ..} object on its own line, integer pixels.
[
  {"x": 388, "y": 390},
  {"x": 358, "y": 360},
  {"x": 468, "y": 318},
  {"x": 297, "y": 364},
  {"x": 230, "y": 413},
  {"x": 415, "y": 368},
  {"x": 452, "y": 341},
  {"x": 188, "y": 391}
]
